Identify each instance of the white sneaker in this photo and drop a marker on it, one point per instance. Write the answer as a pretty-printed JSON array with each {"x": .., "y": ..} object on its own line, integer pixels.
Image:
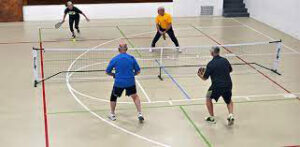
[
  {"x": 150, "y": 50},
  {"x": 179, "y": 50},
  {"x": 230, "y": 119},
  {"x": 140, "y": 118},
  {"x": 112, "y": 117}
]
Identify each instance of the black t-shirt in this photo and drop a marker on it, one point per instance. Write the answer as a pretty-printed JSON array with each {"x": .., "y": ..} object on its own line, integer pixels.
[
  {"x": 218, "y": 69},
  {"x": 74, "y": 13}
]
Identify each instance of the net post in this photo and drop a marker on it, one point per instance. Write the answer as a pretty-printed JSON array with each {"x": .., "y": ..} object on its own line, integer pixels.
[
  {"x": 43, "y": 91},
  {"x": 277, "y": 58},
  {"x": 35, "y": 66},
  {"x": 161, "y": 60}
]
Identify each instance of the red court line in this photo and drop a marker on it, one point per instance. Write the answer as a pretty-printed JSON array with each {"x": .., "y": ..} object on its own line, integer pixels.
[
  {"x": 44, "y": 96},
  {"x": 264, "y": 75}
]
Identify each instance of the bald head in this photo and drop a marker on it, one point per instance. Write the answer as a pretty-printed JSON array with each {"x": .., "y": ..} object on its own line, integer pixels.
[
  {"x": 161, "y": 11},
  {"x": 123, "y": 47}
]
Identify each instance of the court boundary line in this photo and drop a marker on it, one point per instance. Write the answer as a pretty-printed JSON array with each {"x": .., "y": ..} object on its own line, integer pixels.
[
  {"x": 95, "y": 114},
  {"x": 107, "y": 39},
  {"x": 195, "y": 126},
  {"x": 143, "y": 90},
  {"x": 263, "y": 74},
  {"x": 247, "y": 97},
  {"x": 172, "y": 106}
]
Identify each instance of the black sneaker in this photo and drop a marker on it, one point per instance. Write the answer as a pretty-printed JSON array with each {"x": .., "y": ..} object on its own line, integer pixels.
[
  {"x": 141, "y": 118},
  {"x": 73, "y": 35},
  {"x": 78, "y": 31},
  {"x": 210, "y": 119},
  {"x": 230, "y": 120}
]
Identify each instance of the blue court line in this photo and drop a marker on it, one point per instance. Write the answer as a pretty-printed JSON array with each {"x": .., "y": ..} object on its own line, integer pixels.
[
  {"x": 186, "y": 95},
  {"x": 174, "y": 81}
]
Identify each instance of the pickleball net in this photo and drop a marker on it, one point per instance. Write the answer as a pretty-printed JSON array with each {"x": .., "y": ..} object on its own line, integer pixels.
[{"x": 90, "y": 63}]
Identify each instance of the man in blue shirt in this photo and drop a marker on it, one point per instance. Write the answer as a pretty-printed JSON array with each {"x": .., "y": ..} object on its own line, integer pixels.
[
  {"x": 218, "y": 69},
  {"x": 126, "y": 68}
]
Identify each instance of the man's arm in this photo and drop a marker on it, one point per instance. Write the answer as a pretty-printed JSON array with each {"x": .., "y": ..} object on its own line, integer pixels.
[
  {"x": 64, "y": 18},
  {"x": 80, "y": 12},
  {"x": 205, "y": 73},
  {"x": 109, "y": 68},
  {"x": 201, "y": 73},
  {"x": 87, "y": 19},
  {"x": 137, "y": 69}
]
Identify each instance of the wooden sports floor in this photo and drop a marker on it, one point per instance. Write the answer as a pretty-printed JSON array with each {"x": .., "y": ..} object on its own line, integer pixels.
[{"x": 267, "y": 107}]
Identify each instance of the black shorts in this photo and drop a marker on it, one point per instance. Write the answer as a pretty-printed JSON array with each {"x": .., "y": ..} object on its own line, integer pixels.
[
  {"x": 117, "y": 92},
  {"x": 216, "y": 93}
]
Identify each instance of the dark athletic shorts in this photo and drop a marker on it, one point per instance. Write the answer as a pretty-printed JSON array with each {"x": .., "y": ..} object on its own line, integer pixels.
[
  {"x": 117, "y": 92},
  {"x": 216, "y": 93}
]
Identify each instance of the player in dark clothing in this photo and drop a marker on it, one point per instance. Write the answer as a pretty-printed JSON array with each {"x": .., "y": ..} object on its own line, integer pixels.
[
  {"x": 218, "y": 69},
  {"x": 74, "y": 17}
]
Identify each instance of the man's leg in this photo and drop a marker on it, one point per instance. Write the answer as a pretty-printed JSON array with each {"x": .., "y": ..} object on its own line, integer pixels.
[
  {"x": 132, "y": 92},
  {"x": 113, "y": 105},
  {"x": 77, "y": 20},
  {"x": 230, "y": 107},
  {"x": 137, "y": 102},
  {"x": 227, "y": 98},
  {"x": 116, "y": 92},
  {"x": 71, "y": 23},
  {"x": 155, "y": 39},
  {"x": 173, "y": 37},
  {"x": 210, "y": 106}
]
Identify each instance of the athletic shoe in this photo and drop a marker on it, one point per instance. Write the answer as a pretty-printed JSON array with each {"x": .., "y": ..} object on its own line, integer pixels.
[
  {"x": 210, "y": 119},
  {"x": 150, "y": 50},
  {"x": 179, "y": 49},
  {"x": 230, "y": 119},
  {"x": 140, "y": 118},
  {"x": 112, "y": 117},
  {"x": 78, "y": 31},
  {"x": 73, "y": 35}
]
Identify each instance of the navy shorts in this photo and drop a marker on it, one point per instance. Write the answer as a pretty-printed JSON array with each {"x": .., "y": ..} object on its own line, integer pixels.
[
  {"x": 216, "y": 93},
  {"x": 117, "y": 91}
]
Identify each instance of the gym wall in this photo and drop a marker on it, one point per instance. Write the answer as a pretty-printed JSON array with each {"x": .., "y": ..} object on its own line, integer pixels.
[{"x": 11, "y": 10}]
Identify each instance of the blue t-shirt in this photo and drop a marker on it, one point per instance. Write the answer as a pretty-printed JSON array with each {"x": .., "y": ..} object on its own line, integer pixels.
[{"x": 126, "y": 67}]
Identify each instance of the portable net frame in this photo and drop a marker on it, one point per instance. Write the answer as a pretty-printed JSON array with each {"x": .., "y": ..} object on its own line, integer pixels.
[{"x": 90, "y": 64}]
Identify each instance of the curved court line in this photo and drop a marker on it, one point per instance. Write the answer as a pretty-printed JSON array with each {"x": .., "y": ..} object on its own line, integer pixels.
[
  {"x": 108, "y": 122},
  {"x": 95, "y": 114},
  {"x": 88, "y": 50}
]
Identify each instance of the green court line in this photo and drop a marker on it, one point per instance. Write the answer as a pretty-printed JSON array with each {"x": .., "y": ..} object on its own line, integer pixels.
[
  {"x": 165, "y": 106},
  {"x": 130, "y": 43},
  {"x": 195, "y": 127}
]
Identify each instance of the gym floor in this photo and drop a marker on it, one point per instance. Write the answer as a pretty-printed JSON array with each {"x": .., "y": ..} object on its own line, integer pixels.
[{"x": 266, "y": 107}]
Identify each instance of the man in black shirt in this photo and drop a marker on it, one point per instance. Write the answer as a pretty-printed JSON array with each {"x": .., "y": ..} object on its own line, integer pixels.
[
  {"x": 218, "y": 69},
  {"x": 73, "y": 17}
]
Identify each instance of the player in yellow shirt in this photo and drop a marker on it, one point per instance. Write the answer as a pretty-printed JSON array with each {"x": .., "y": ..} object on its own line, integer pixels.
[{"x": 164, "y": 25}]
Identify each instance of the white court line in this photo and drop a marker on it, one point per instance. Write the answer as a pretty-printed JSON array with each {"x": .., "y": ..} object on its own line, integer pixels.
[
  {"x": 95, "y": 114},
  {"x": 171, "y": 102},
  {"x": 143, "y": 90},
  {"x": 269, "y": 37}
]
